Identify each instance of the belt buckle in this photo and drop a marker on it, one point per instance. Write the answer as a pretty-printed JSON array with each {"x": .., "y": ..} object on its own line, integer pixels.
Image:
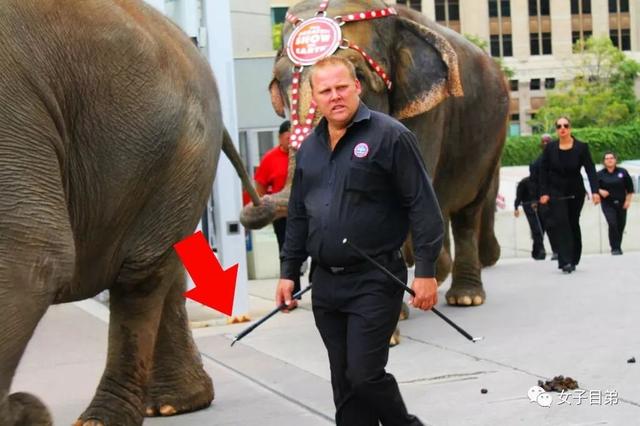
[{"x": 336, "y": 269}]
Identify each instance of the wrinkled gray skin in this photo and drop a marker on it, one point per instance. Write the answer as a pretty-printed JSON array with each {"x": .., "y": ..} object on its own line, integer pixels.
[
  {"x": 460, "y": 120},
  {"x": 110, "y": 133}
]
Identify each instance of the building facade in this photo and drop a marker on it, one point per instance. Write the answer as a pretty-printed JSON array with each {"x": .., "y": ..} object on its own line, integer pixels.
[{"x": 534, "y": 37}]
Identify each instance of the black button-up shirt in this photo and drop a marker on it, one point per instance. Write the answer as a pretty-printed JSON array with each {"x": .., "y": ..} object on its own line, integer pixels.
[
  {"x": 369, "y": 189},
  {"x": 618, "y": 183}
]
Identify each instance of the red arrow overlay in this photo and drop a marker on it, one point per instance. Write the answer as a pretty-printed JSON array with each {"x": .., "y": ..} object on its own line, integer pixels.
[{"x": 215, "y": 287}]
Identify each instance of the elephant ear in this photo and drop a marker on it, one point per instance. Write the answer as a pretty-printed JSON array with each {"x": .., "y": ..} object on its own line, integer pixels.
[
  {"x": 276, "y": 97},
  {"x": 426, "y": 70}
]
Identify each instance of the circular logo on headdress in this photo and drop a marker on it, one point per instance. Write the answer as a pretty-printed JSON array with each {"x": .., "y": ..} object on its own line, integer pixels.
[
  {"x": 361, "y": 150},
  {"x": 313, "y": 39}
]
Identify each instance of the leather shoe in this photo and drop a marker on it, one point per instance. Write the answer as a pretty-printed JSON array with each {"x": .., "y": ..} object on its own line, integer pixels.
[
  {"x": 616, "y": 252},
  {"x": 568, "y": 268}
]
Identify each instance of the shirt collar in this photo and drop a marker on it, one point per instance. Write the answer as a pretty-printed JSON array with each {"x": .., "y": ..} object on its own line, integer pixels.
[{"x": 363, "y": 113}]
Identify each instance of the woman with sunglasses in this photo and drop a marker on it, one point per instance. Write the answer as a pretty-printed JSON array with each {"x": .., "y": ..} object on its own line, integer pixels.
[
  {"x": 561, "y": 187},
  {"x": 616, "y": 189}
]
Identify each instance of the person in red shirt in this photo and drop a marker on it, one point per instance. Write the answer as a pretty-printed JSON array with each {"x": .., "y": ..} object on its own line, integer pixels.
[{"x": 271, "y": 177}]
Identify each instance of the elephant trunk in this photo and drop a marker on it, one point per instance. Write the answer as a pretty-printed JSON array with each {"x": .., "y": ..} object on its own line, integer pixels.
[{"x": 272, "y": 206}]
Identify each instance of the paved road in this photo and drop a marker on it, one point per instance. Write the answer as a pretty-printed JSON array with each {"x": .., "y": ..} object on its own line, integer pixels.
[{"x": 537, "y": 323}]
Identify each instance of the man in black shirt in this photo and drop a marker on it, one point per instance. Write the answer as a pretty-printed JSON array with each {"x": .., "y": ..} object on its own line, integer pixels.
[
  {"x": 528, "y": 200},
  {"x": 542, "y": 211},
  {"x": 616, "y": 190},
  {"x": 359, "y": 176}
]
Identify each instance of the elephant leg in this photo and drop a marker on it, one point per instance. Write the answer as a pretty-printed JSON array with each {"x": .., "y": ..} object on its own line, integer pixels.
[
  {"x": 178, "y": 382},
  {"x": 136, "y": 306},
  {"x": 488, "y": 247},
  {"x": 466, "y": 286},
  {"x": 36, "y": 260},
  {"x": 19, "y": 315},
  {"x": 444, "y": 263}
]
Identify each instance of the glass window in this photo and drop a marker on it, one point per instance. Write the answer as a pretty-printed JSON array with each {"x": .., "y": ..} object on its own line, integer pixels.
[
  {"x": 533, "y": 7},
  {"x": 440, "y": 13},
  {"x": 454, "y": 10},
  {"x": 613, "y": 35},
  {"x": 513, "y": 85},
  {"x": 534, "y": 84},
  {"x": 549, "y": 83},
  {"x": 544, "y": 7},
  {"x": 507, "y": 47},
  {"x": 625, "y": 40},
  {"x": 587, "y": 34},
  {"x": 495, "y": 45},
  {"x": 546, "y": 43},
  {"x": 535, "y": 43},
  {"x": 575, "y": 36},
  {"x": 266, "y": 141},
  {"x": 575, "y": 7},
  {"x": 624, "y": 6},
  {"x": 505, "y": 8},
  {"x": 515, "y": 117},
  {"x": 278, "y": 14},
  {"x": 493, "y": 8},
  {"x": 586, "y": 6},
  {"x": 613, "y": 6}
]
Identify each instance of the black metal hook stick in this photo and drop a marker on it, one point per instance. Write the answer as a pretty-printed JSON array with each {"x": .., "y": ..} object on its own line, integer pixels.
[
  {"x": 406, "y": 288},
  {"x": 567, "y": 197},
  {"x": 269, "y": 315}
]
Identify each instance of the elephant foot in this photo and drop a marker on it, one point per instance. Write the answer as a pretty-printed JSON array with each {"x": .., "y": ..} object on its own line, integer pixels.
[
  {"x": 111, "y": 416},
  {"x": 404, "y": 312},
  {"x": 395, "y": 338},
  {"x": 489, "y": 251},
  {"x": 461, "y": 295},
  {"x": 26, "y": 409},
  {"x": 183, "y": 393}
]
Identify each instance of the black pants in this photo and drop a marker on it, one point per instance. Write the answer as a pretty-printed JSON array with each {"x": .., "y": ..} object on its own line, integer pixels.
[
  {"x": 538, "y": 224},
  {"x": 356, "y": 315},
  {"x": 280, "y": 228},
  {"x": 564, "y": 224},
  {"x": 616, "y": 219}
]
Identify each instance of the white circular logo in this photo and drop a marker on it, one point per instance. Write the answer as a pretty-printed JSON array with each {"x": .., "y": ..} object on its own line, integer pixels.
[
  {"x": 313, "y": 39},
  {"x": 620, "y": 175},
  {"x": 361, "y": 150}
]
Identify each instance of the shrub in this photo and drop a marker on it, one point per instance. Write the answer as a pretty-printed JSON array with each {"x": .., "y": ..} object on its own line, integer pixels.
[{"x": 623, "y": 140}]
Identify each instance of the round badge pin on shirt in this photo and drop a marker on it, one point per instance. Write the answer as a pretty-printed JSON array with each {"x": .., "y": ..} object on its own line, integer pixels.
[
  {"x": 620, "y": 175},
  {"x": 361, "y": 150}
]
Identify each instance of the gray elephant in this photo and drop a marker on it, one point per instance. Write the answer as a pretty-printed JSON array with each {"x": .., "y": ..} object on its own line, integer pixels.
[
  {"x": 447, "y": 91},
  {"x": 110, "y": 133}
]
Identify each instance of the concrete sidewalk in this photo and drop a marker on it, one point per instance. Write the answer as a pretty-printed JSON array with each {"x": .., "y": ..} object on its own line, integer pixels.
[{"x": 538, "y": 323}]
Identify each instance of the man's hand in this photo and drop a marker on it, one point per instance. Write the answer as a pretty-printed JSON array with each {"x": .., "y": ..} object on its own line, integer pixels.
[
  {"x": 626, "y": 204},
  {"x": 426, "y": 293},
  {"x": 544, "y": 199},
  {"x": 516, "y": 212},
  {"x": 596, "y": 199},
  {"x": 603, "y": 193},
  {"x": 284, "y": 291}
]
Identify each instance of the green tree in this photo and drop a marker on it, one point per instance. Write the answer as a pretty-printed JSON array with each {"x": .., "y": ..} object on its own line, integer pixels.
[
  {"x": 600, "y": 95},
  {"x": 276, "y": 35}
]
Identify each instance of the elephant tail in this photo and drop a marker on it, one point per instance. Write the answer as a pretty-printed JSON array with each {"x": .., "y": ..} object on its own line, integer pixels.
[{"x": 234, "y": 156}]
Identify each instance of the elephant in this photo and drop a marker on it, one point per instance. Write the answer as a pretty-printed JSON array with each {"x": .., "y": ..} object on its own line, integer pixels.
[
  {"x": 110, "y": 134},
  {"x": 449, "y": 92}
]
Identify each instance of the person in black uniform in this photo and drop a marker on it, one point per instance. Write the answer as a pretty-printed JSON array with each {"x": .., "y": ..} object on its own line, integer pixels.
[
  {"x": 562, "y": 188},
  {"x": 616, "y": 190},
  {"x": 359, "y": 175},
  {"x": 543, "y": 211},
  {"x": 528, "y": 200}
]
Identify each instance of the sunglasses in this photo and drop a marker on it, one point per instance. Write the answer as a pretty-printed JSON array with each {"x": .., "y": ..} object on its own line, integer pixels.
[{"x": 560, "y": 126}]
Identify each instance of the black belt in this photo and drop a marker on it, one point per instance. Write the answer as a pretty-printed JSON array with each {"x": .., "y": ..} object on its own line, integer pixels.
[{"x": 384, "y": 258}]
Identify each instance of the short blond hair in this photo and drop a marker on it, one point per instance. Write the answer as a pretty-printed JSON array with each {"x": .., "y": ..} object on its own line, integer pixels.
[{"x": 332, "y": 61}]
